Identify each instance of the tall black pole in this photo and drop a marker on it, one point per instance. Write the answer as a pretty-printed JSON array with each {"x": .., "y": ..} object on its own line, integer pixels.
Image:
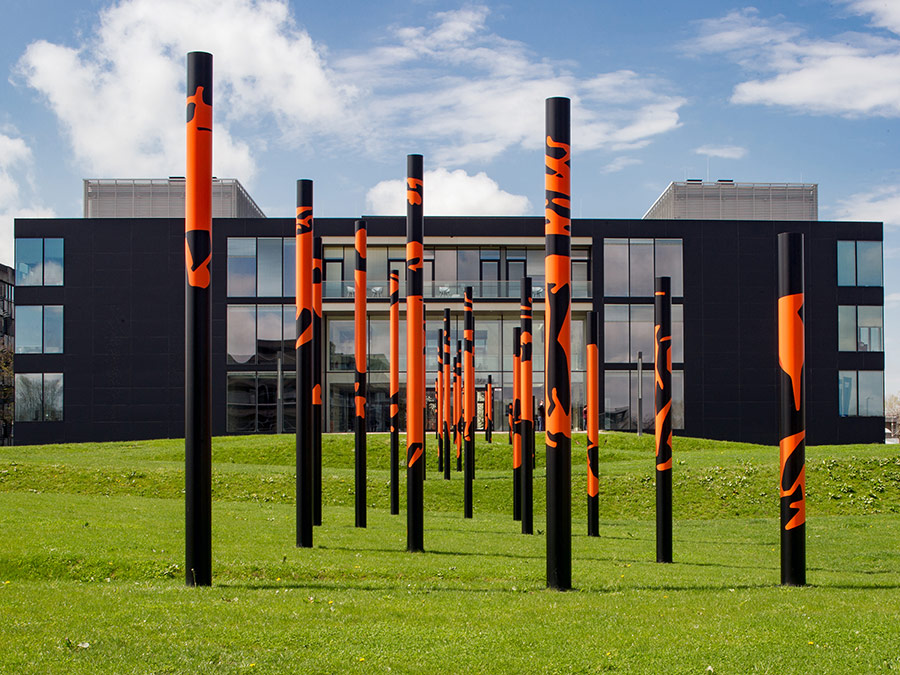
[
  {"x": 318, "y": 408},
  {"x": 304, "y": 316},
  {"x": 517, "y": 424},
  {"x": 360, "y": 353},
  {"x": 458, "y": 421},
  {"x": 415, "y": 355},
  {"x": 448, "y": 392},
  {"x": 469, "y": 395},
  {"x": 592, "y": 382},
  {"x": 197, "y": 324},
  {"x": 395, "y": 390},
  {"x": 792, "y": 406},
  {"x": 662, "y": 331},
  {"x": 526, "y": 379},
  {"x": 489, "y": 410},
  {"x": 557, "y": 362},
  {"x": 439, "y": 399}
]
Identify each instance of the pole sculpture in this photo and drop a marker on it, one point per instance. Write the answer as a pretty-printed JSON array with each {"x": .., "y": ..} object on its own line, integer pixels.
[
  {"x": 593, "y": 420},
  {"x": 458, "y": 416},
  {"x": 359, "y": 340},
  {"x": 197, "y": 324},
  {"x": 439, "y": 399},
  {"x": 517, "y": 425},
  {"x": 526, "y": 354},
  {"x": 662, "y": 331},
  {"x": 557, "y": 378},
  {"x": 394, "y": 314},
  {"x": 792, "y": 405},
  {"x": 304, "y": 316},
  {"x": 317, "y": 380},
  {"x": 469, "y": 407},
  {"x": 509, "y": 419},
  {"x": 447, "y": 395},
  {"x": 422, "y": 382},
  {"x": 489, "y": 410},
  {"x": 415, "y": 355}
]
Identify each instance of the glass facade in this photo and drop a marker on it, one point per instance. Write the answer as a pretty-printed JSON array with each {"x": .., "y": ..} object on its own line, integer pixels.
[
  {"x": 860, "y": 263},
  {"x": 39, "y": 329},
  {"x": 39, "y": 397},
  {"x": 631, "y": 265},
  {"x": 861, "y": 393},
  {"x": 860, "y": 328},
  {"x": 39, "y": 262}
]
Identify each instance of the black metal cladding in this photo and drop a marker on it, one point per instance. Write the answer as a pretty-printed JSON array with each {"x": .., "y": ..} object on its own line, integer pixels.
[{"x": 123, "y": 356}]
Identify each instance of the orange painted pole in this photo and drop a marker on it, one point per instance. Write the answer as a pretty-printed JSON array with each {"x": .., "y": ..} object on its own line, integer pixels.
[
  {"x": 317, "y": 419},
  {"x": 415, "y": 355},
  {"x": 197, "y": 322},
  {"x": 792, "y": 408},
  {"x": 448, "y": 395},
  {"x": 469, "y": 406},
  {"x": 517, "y": 425},
  {"x": 458, "y": 413},
  {"x": 439, "y": 399},
  {"x": 558, "y": 343},
  {"x": 592, "y": 385},
  {"x": 662, "y": 331},
  {"x": 304, "y": 346},
  {"x": 489, "y": 410},
  {"x": 526, "y": 396},
  {"x": 394, "y": 320},
  {"x": 360, "y": 356}
]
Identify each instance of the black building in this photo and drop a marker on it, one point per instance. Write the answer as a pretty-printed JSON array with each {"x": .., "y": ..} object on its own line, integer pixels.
[{"x": 104, "y": 315}]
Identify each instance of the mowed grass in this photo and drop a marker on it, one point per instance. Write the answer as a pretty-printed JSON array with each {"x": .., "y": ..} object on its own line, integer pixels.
[{"x": 92, "y": 556}]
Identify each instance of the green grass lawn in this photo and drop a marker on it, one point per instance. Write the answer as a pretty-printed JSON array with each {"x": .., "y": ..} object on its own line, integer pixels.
[{"x": 92, "y": 554}]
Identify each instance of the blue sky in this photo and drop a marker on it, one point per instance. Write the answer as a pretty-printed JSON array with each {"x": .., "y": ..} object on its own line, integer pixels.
[{"x": 774, "y": 91}]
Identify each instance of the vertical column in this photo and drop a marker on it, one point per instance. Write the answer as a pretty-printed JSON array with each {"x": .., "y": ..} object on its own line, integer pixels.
[
  {"x": 317, "y": 379},
  {"x": 469, "y": 395},
  {"x": 394, "y": 318},
  {"x": 448, "y": 395},
  {"x": 304, "y": 346},
  {"x": 593, "y": 420},
  {"x": 526, "y": 356},
  {"x": 517, "y": 424},
  {"x": 360, "y": 327},
  {"x": 792, "y": 407},
  {"x": 415, "y": 355},
  {"x": 489, "y": 410},
  {"x": 197, "y": 323},
  {"x": 557, "y": 362},
  {"x": 439, "y": 399},
  {"x": 458, "y": 416},
  {"x": 662, "y": 331}
]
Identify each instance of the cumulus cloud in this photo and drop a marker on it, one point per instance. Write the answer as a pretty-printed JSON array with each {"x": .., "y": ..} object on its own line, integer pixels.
[
  {"x": 881, "y": 205},
  {"x": 620, "y": 163},
  {"x": 722, "y": 151},
  {"x": 449, "y": 193},
  {"x": 853, "y": 74},
  {"x": 16, "y": 191}
]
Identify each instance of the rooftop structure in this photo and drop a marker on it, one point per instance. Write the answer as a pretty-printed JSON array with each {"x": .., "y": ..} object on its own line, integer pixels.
[
  {"x": 695, "y": 199},
  {"x": 162, "y": 198}
]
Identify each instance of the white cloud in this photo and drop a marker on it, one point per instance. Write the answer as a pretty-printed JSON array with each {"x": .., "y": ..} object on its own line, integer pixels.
[
  {"x": 449, "y": 193},
  {"x": 620, "y": 163},
  {"x": 722, "y": 151},
  {"x": 16, "y": 191},
  {"x": 853, "y": 74},
  {"x": 880, "y": 205}
]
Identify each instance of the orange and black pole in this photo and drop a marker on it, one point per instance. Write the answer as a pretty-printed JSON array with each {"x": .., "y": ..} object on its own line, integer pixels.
[
  {"x": 439, "y": 399},
  {"x": 517, "y": 425},
  {"x": 304, "y": 346},
  {"x": 469, "y": 407},
  {"x": 662, "y": 331},
  {"x": 557, "y": 322},
  {"x": 394, "y": 319},
  {"x": 593, "y": 421},
  {"x": 197, "y": 322},
  {"x": 360, "y": 353},
  {"x": 447, "y": 397},
  {"x": 526, "y": 377},
  {"x": 415, "y": 355},
  {"x": 317, "y": 380},
  {"x": 458, "y": 415},
  {"x": 792, "y": 405},
  {"x": 489, "y": 410}
]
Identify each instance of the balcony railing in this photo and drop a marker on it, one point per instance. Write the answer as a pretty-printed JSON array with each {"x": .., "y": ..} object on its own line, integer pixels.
[{"x": 450, "y": 290}]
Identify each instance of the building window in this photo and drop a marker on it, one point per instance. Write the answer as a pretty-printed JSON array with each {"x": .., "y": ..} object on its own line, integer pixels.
[
  {"x": 861, "y": 393},
  {"x": 860, "y": 328},
  {"x": 631, "y": 265},
  {"x": 39, "y": 397},
  {"x": 241, "y": 273},
  {"x": 269, "y": 256},
  {"x": 252, "y": 402},
  {"x": 39, "y": 329},
  {"x": 241, "y": 334},
  {"x": 859, "y": 263},
  {"x": 39, "y": 262}
]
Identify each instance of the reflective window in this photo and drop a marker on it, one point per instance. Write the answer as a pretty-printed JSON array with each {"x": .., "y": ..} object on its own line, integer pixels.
[
  {"x": 53, "y": 329},
  {"x": 868, "y": 263},
  {"x": 678, "y": 399},
  {"x": 647, "y": 392},
  {"x": 488, "y": 344},
  {"x": 289, "y": 267},
  {"x": 267, "y": 403},
  {"x": 615, "y": 334},
  {"x": 847, "y": 393},
  {"x": 29, "y": 329},
  {"x": 29, "y": 262},
  {"x": 467, "y": 264},
  {"x": 39, "y": 397},
  {"x": 616, "y": 400},
  {"x": 269, "y": 256},
  {"x": 869, "y": 319},
  {"x": 846, "y": 257},
  {"x": 53, "y": 262},
  {"x": 289, "y": 333},
  {"x": 871, "y": 393},
  {"x": 677, "y": 333},
  {"x": 241, "y": 334},
  {"x": 579, "y": 344},
  {"x": 376, "y": 263},
  {"x": 241, "y": 402},
  {"x": 847, "y": 336},
  {"x": 269, "y": 331},
  {"x": 445, "y": 264},
  {"x": 615, "y": 267},
  {"x": 241, "y": 271},
  {"x": 641, "y": 267},
  {"x": 668, "y": 263},
  {"x": 642, "y": 332},
  {"x": 340, "y": 345},
  {"x": 535, "y": 258}
]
